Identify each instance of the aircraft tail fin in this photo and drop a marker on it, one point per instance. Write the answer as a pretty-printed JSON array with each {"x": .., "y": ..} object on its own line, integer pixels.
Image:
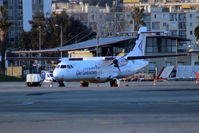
[{"x": 139, "y": 47}]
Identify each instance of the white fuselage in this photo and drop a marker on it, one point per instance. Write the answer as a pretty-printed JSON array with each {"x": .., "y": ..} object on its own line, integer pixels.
[{"x": 95, "y": 69}]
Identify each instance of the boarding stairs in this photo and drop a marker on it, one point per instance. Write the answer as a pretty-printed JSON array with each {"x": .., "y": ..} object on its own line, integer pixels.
[
  {"x": 187, "y": 72},
  {"x": 164, "y": 73}
]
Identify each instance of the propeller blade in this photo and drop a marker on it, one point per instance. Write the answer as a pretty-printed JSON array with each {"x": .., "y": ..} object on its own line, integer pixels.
[
  {"x": 119, "y": 68},
  {"x": 115, "y": 62}
]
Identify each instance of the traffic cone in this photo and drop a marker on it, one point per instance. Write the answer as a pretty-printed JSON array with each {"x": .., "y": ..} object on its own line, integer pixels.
[
  {"x": 197, "y": 82},
  {"x": 154, "y": 82},
  {"x": 97, "y": 85}
]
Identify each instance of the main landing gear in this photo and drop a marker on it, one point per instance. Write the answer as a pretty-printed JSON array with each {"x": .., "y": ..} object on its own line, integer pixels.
[
  {"x": 84, "y": 84},
  {"x": 61, "y": 84},
  {"x": 114, "y": 83}
]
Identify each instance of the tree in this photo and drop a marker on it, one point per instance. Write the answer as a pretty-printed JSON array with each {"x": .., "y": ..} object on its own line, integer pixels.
[
  {"x": 4, "y": 26},
  {"x": 196, "y": 32},
  {"x": 51, "y": 29},
  {"x": 137, "y": 16},
  {"x": 30, "y": 40}
]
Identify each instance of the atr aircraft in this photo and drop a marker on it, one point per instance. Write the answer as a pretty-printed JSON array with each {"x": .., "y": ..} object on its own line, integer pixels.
[{"x": 105, "y": 69}]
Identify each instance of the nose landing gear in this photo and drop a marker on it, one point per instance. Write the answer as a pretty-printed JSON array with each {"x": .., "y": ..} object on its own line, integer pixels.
[{"x": 61, "y": 84}]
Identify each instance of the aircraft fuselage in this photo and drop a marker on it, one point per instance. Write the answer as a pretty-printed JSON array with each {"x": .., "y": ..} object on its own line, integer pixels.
[{"x": 96, "y": 70}]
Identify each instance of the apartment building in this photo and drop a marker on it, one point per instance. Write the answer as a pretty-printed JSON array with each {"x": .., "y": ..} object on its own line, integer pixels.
[
  {"x": 176, "y": 23},
  {"x": 20, "y": 12},
  {"x": 175, "y": 4},
  {"x": 30, "y": 7},
  {"x": 105, "y": 22},
  {"x": 15, "y": 14},
  {"x": 102, "y": 20}
]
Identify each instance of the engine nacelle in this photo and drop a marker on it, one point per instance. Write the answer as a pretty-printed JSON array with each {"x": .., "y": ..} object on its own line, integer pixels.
[{"x": 120, "y": 62}]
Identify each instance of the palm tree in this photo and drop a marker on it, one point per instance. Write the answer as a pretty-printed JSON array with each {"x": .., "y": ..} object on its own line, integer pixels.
[
  {"x": 137, "y": 16},
  {"x": 4, "y": 25}
]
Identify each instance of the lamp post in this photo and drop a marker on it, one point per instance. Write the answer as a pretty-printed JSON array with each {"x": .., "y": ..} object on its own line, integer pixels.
[
  {"x": 39, "y": 28},
  {"x": 61, "y": 36},
  {"x": 176, "y": 53},
  {"x": 97, "y": 42},
  {"x": 39, "y": 39}
]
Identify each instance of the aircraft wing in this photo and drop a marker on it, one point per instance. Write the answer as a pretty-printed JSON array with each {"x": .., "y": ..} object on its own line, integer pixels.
[
  {"x": 104, "y": 58},
  {"x": 88, "y": 58},
  {"x": 55, "y": 58},
  {"x": 154, "y": 56}
]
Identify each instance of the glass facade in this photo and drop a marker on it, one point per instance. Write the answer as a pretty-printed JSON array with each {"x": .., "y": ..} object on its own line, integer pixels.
[
  {"x": 160, "y": 45},
  {"x": 15, "y": 15},
  {"x": 37, "y": 5}
]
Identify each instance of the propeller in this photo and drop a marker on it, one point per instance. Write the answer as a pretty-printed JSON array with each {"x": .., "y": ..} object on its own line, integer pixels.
[{"x": 115, "y": 63}]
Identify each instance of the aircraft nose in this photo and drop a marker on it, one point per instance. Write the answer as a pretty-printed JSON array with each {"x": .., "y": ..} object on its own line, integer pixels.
[{"x": 56, "y": 75}]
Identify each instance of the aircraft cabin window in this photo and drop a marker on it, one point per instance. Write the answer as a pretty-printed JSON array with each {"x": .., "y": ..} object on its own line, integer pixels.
[
  {"x": 57, "y": 66},
  {"x": 63, "y": 66}
]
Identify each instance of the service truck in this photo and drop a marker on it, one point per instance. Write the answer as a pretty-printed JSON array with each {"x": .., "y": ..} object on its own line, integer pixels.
[{"x": 33, "y": 80}]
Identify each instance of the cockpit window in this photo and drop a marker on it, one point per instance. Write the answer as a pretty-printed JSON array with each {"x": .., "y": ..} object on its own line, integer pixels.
[
  {"x": 63, "y": 66},
  {"x": 69, "y": 66}
]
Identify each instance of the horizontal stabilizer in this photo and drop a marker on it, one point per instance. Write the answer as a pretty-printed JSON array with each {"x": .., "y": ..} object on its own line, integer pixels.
[
  {"x": 154, "y": 56},
  {"x": 136, "y": 32}
]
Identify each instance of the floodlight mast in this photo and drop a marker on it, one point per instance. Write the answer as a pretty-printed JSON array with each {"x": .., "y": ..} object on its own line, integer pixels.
[{"x": 61, "y": 36}]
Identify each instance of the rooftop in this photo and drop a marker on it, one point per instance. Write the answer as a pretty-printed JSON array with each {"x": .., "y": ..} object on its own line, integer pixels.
[{"x": 82, "y": 45}]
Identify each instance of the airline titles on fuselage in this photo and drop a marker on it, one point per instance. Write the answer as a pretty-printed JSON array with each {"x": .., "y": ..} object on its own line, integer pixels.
[{"x": 88, "y": 71}]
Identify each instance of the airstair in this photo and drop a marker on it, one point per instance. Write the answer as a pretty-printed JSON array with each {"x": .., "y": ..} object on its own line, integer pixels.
[
  {"x": 166, "y": 72},
  {"x": 187, "y": 72}
]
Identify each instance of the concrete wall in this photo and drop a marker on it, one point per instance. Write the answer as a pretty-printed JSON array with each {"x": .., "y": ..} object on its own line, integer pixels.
[{"x": 14, "y": 71}]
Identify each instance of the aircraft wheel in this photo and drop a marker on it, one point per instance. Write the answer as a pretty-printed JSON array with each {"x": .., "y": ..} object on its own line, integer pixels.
[
  {"x": 61, "y": 84},
  {"x": 113, "y": 83},
  {"x": 84, "y": 84}
]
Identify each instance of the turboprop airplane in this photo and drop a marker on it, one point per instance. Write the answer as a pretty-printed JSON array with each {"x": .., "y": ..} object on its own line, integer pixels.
[{"x": 104, "y": 69}]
